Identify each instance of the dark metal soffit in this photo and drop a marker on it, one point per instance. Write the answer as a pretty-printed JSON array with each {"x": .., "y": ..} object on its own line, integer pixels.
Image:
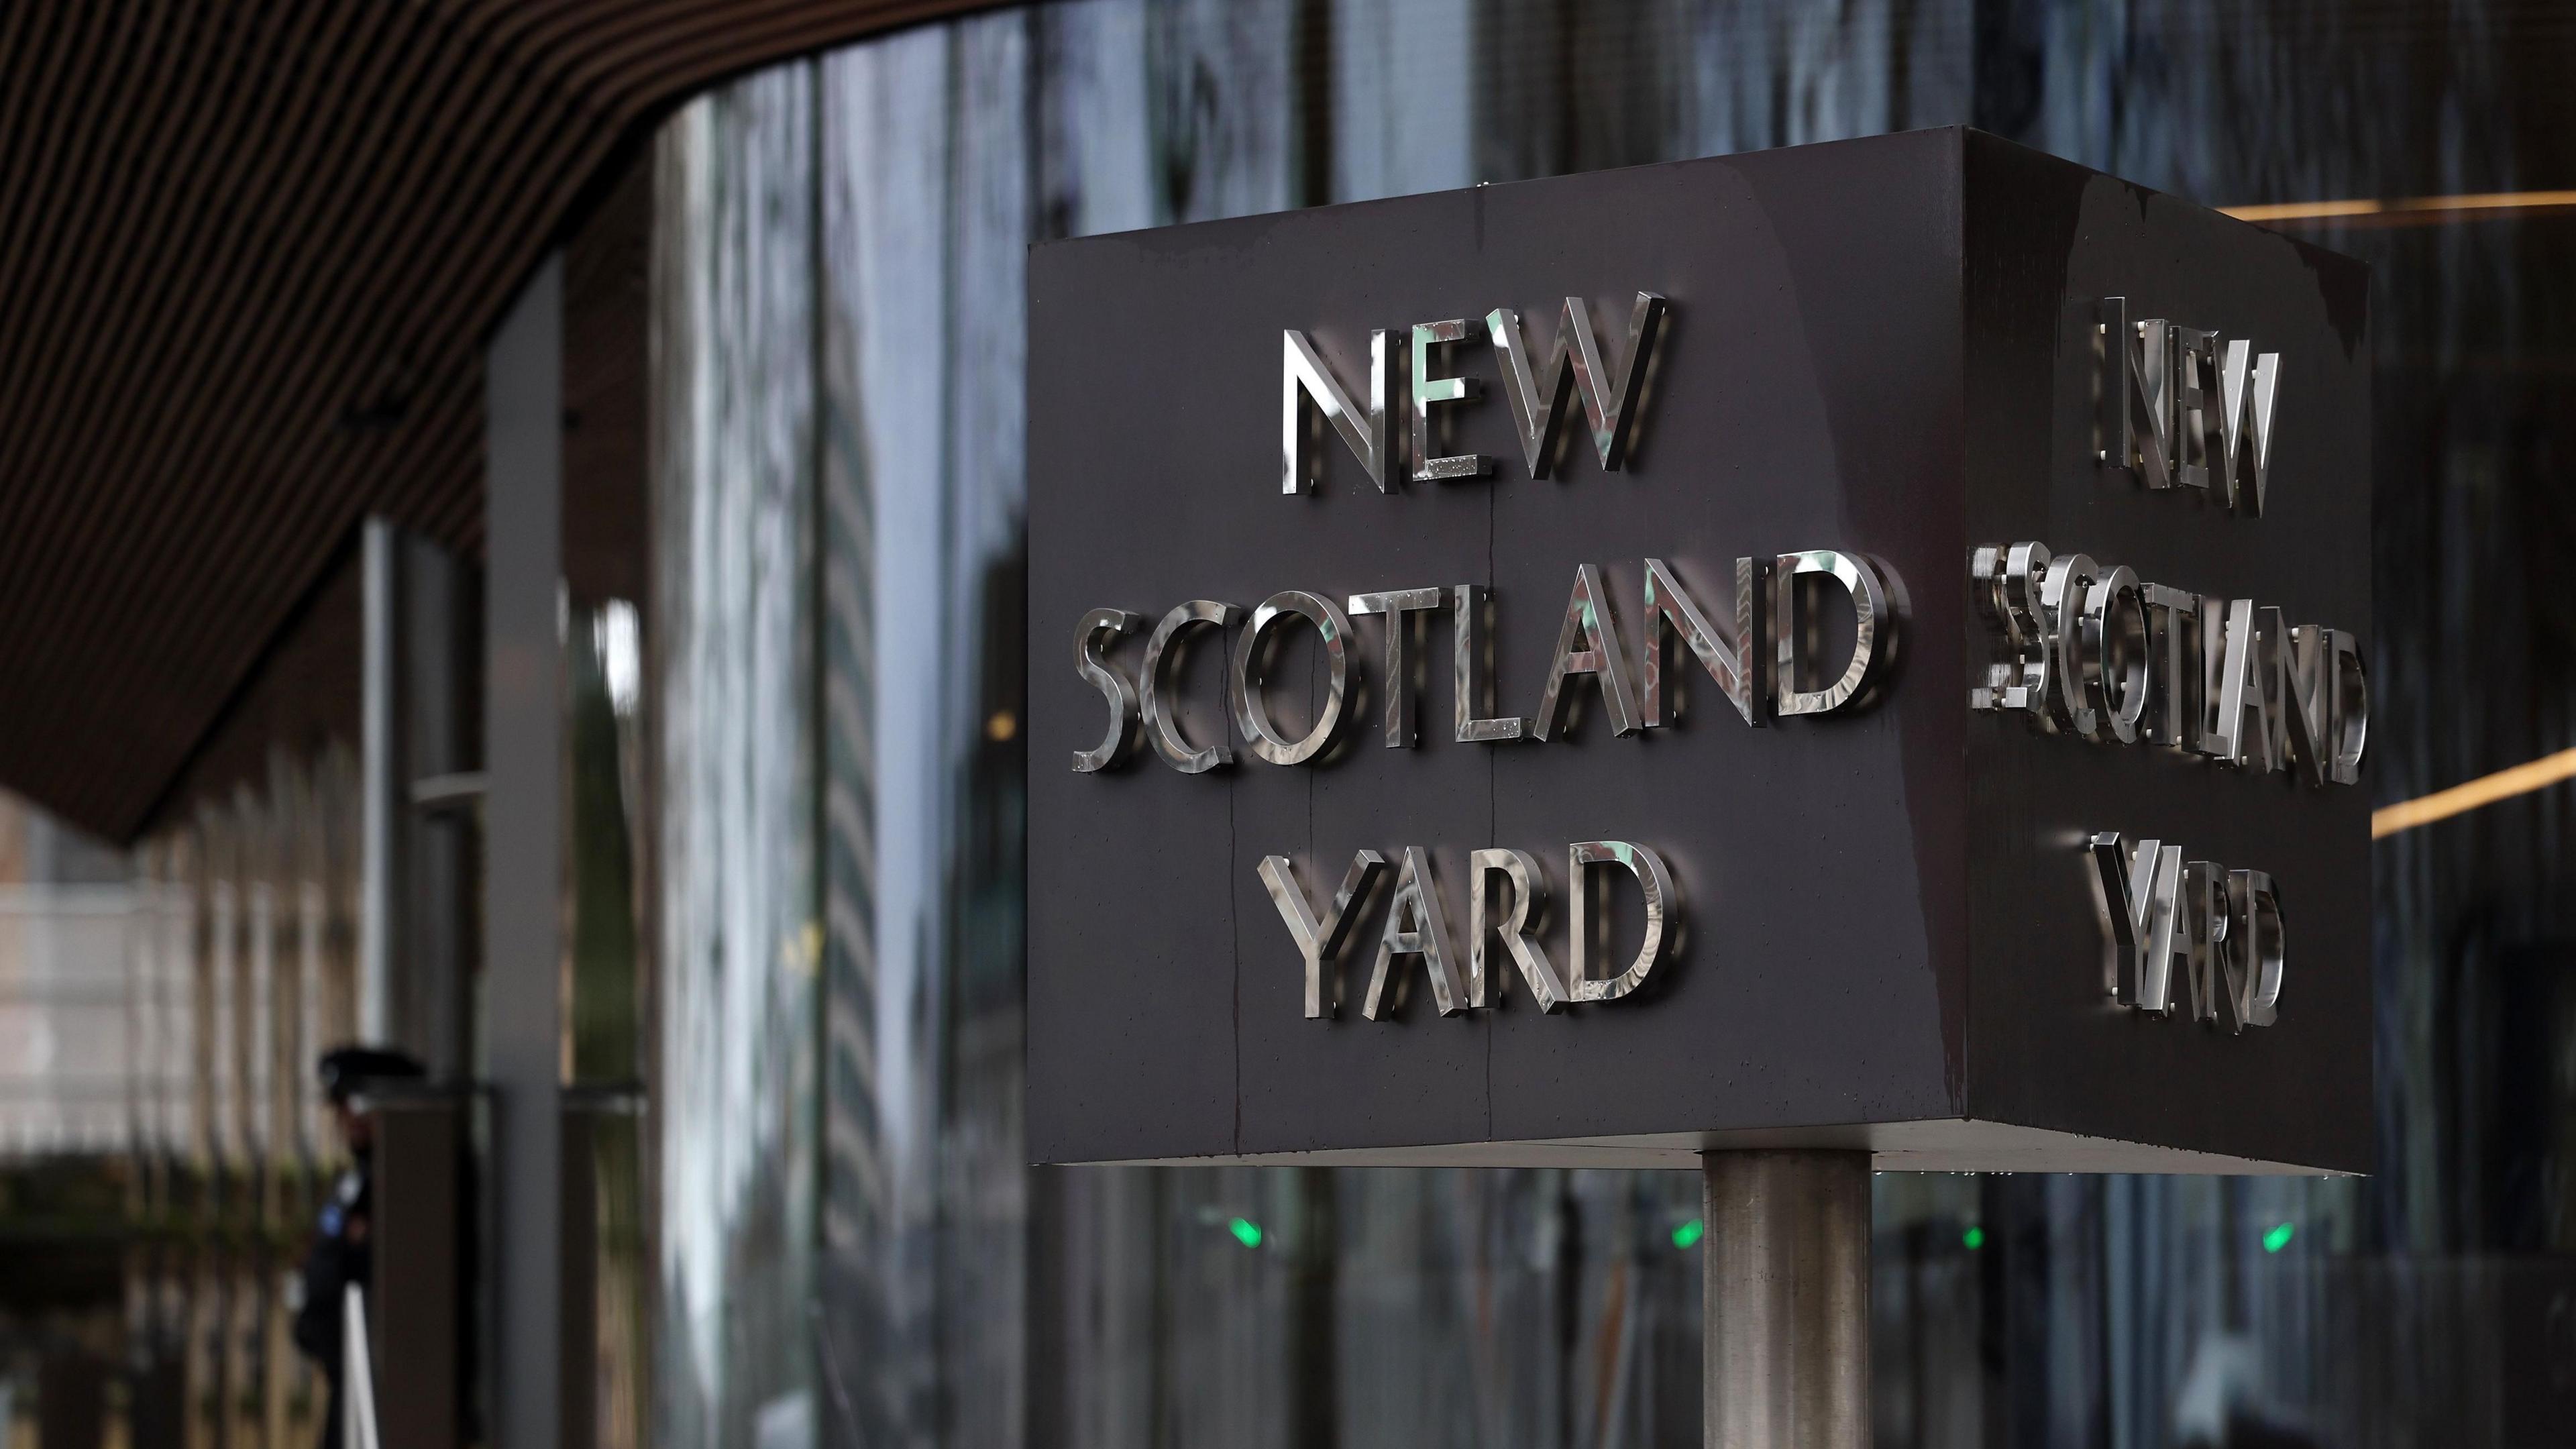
[{"x": 248, "y": 253}]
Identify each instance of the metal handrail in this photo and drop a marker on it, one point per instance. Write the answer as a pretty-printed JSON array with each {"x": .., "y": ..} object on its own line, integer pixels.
[{"x": 357, "y": 1375}]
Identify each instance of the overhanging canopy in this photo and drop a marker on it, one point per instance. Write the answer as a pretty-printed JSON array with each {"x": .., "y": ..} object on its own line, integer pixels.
[{"x": 247, "y": 259}]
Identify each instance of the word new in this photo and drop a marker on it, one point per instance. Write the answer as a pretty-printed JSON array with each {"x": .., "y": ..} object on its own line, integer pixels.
[
  {"x": 2098, "y": 653},
  {"x": 2193, "y": 937},
  {"x": 1417, "y": 928},
  {"x": 1775, "y": 673},
  {"x": 2184, "y": 408},
  {"x": 1539, "y": 395}
]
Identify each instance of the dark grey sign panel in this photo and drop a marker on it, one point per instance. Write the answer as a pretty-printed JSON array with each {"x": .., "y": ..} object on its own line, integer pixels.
[{"x": 1931, "y": 676}]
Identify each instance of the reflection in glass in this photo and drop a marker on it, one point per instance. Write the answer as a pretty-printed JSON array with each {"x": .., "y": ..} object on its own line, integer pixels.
[
  {"x": 605, "y": 1010},
  {"x": 238, "y": 929},
  {"x": 737, "y": 935}
]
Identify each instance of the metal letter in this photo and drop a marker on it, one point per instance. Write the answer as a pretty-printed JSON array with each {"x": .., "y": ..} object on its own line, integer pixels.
[
  {"x": 1251, "y": 658},
  {"x": 2121, "y": 925},
  {"x": 2150, "y": 393},
  {"x": 1428, "y": 390},
  {"x": 2175, "y": 616},
  {"x": 1113, "y": 686},
  {"x": 2116, "y": 683},
  {"x": 2062, "y": 592},
  {"x": 1589, "y": 624},
  {"x": 2007, "y": 583},
  {"x": 2248, "y": 386},
  {"x": 2196, "y": 429},
  {"x": 2111, "y": 438},
  {"x": 1399, "y": 606},
  {"x": 1574, "y": 362},
  {"x": 1661, "y": 900},
  {"x": 2352, "y": 708},
  {"x": 2247, "y": 729},
  {"x": 2234, "y": 690},
  {"x": 2137, "y": 886},
  {"x": 2213, "y": 672},
  {"x": 1322, "y": 942},
  {"x": 1668, "y": 604},
  {"x": 1414, "y": 927},
  {"x": 2256, "y": 948},
  {"x": 1304, "y": 378},
  {"x": 1873, "y": 629},
  {"x": 2308, "y": 700},
  {"x": 1163, "y": 727},
  {"x": 1519, "y": 930},
  {"x": 2201, "y": 932},
  {"x": 1471, "y": 673}
]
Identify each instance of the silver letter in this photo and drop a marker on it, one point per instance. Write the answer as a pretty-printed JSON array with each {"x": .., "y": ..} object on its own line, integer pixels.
[
  {"x": 1162, "y": 727},
  {"x": 2115, "y": 649},
  {"x": 1414, "y": 927},
  {"x": 1468, "y": 672},
  {"x": 1871, "y": 619},
  {"x": 2176, "y": 618},
  {"x": 2111, "y": 444},
  {"x": 2062, "y": 592},
  {"x": 2007, "y": 581},
  {"x": 1113, "y": 686},
  {"x": 1399, "y": 606},
  {"x": 1667, "y": 603},
  {"x": 1588, "y": 622},
  {"x": 1661, "y": 899},
  {"x": 2213, "y": 673},
  {"x": 1321, "y": 942},
  {"x": 2308, "y": 699},
  {"x": 2196, "y": 429},
  {"x": 2352, "y": 708},
  {"x": 2247, "y": 730},
  {"x": 1574, "y": 362},
  {"x": 1519, "y": 928},
  {"x": 2256, "y": 948},
  {"x": 1428, "y": 390},
  {"x": 2204, "y": 936},
  {"x": 2150, "y": 392},
  {"x": 1243, "y": 684},
  {"x": 2247, "y": 387},
  {"x": 1303, "y": 377},
  {"x": 2137, "y": 886}
]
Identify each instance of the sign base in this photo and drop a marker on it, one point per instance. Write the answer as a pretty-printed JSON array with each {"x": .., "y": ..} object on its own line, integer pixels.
[
  {"x": 1947, "y": 1144},
  {"x": 1784, "y": 1300}
]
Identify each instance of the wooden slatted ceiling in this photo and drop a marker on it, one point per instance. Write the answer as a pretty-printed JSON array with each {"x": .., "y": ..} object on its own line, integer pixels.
[{"x": 248, "y": 255}]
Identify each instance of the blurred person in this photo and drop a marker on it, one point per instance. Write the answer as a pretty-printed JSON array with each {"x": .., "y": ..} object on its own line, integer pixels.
[{"x": 341, "y": 1252}]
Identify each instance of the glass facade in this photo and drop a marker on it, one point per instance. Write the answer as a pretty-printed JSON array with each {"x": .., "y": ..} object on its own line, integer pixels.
[
  {"x": 852, "y": 1252},
  {"x": 734, "y": 697},
  {"x": 242, "y": 963}
]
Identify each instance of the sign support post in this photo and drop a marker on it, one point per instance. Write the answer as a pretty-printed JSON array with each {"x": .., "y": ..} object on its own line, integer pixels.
[{"x": 1784, "y": 1299}]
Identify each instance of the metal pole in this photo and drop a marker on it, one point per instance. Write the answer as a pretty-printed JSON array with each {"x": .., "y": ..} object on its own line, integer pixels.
[
  {"x": 1785, "y": 1300},
  {"x": 379, "y": 784},
  {"x": 523, "y": 915}
]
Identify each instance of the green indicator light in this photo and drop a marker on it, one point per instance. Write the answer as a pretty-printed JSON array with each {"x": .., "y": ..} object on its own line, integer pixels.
[
  {"x": 1689, "y": 1233},
  {"x": 1974, "y": 1237},
  {"x": 1246, "y": 1232},
  {"x": 2278, "y": 1238}
]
